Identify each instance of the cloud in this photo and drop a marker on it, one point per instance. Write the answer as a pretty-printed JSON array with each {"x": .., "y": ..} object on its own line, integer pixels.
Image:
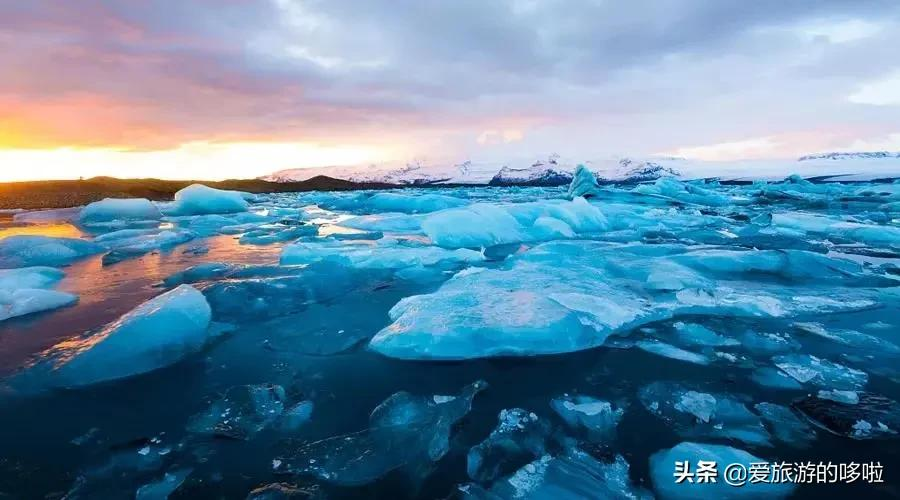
[
  {"x": 578, "y": 76},
  {"x": 882, "y": 92}
]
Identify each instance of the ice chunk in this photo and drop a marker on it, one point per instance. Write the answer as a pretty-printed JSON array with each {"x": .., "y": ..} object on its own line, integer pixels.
[
  {"x": 30, "y": 277},
  {"x": 583, "y": 183},
  {"x": 846, "y": 397},
  {"x": 851, "y": 338},
  {"x": 596, "y": 416},
  {"x": 808, "y": 369},
  {"x": 518, "y": 439},
  {"x": 156, "y": 334},
  {"x": 672, "y": 352},
  {"x": 267, "y": 235},
  {"x": 683, "y": 192},
  {"x": 403, "y": 430},
  {"x": 383, "y": 254},
  {"x": 244, "y": 411},
  {"x": 785, "y": 426},
  {"x": 29, "y": 250},
  {"x": 297, "y": 415},
  {"x": 699, "y": 404},
  {"x": 198, "y": 199},
  {"x": 413, "y": 204},
  {"x": 695, "y": 414},
  {"x": 26, "y": 291},
  {"x": 209, "y": 271},
  {"x": 665, "y": 480},
  {"x": 484, "y": 225},
  {"x": 135, "y": 245},
  {"x": 112, "y": 209},
  {"x": 386, "y": 222},
  {"x": 160, "y": 490},
  {"x": 279, "y": 491},
  {"x": 14, "y": 303},
  {"x": 569, "y": 476},
  {"x": 872, "y": 416},
  {"x": 771, "y": 377},
  {"x": 694, "y": 334},
  {"x": 252, "y": 300}
]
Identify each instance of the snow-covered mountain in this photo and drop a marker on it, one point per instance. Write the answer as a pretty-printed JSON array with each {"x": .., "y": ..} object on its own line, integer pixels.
[{"x": 556, "y": 170}]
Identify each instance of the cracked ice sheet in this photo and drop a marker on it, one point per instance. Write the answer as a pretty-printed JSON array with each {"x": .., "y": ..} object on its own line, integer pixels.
[{"x": 568, "y": 296}]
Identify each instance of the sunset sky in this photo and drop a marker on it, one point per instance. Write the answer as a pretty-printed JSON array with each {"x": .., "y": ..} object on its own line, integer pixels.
[{"x": 210, "y": 89}]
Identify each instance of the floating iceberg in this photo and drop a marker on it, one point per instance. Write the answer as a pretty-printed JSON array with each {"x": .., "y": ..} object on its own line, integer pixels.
[
  {"x": 27, "y": 251},
  {"x": 156, "y": 334},
  {"x": 111, "y": 210},
  {"x": 662, "y": 472},
  {"x": 583, "y": 183},
  {"x": 198, "y": 199},
  {"x": 27, "y": 290}
]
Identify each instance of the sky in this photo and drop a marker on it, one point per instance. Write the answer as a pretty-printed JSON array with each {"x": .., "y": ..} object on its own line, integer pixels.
[{"x": 211, "y": 89}]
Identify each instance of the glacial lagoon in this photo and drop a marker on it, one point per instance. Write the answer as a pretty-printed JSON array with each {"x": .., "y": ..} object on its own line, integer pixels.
[{"x": 459, "y": 342}]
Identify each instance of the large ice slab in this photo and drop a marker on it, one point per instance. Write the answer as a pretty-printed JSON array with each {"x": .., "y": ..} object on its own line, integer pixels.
[
  {"x": 583, "y": 183},
  {"x": 156, "y": 334},
  {"x": 198, "y": 199},
  {"x": 28, "y": 250},
  {"x": 111, "y": 210},
  {"x": 568, "y": 296}
]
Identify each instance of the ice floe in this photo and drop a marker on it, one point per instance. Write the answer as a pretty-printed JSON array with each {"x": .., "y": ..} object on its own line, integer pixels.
[
  {"x": 198, "y": 199},
  {"x": 28, "y": 250},
  {"x": 112, "y": 210},
  {"x": 28, "y": 290},
  {"x": 156, "y": 334}
]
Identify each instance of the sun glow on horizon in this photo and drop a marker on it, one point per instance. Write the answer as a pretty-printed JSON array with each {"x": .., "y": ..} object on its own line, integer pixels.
[{"x": 189, "y": 161}]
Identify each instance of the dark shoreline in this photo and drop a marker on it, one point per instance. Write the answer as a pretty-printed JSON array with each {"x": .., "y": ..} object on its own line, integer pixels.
[{"x": 72, "y": 193}]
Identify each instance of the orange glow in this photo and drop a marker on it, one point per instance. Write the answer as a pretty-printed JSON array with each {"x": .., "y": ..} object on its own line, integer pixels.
[{"x": 195, "y": 160}]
